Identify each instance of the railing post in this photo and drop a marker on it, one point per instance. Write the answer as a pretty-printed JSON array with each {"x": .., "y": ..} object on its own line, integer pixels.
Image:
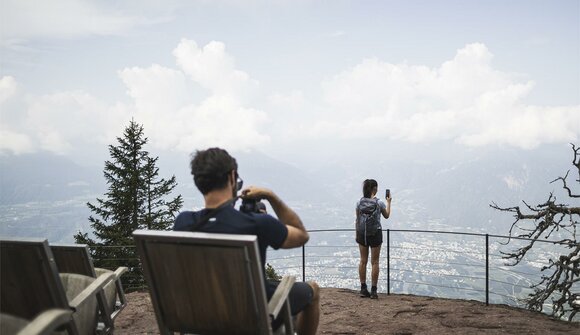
[
  {"x": 487, "y": 269},
  {"x": 388, "y": 261},
  {"x": 303, "y": 263}
]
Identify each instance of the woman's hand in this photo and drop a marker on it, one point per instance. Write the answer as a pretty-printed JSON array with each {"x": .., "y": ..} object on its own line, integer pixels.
[{"x": 387, "y": 211}]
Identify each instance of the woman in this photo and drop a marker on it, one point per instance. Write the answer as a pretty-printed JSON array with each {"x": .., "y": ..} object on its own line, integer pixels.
[{"x": 369, "y": 234}]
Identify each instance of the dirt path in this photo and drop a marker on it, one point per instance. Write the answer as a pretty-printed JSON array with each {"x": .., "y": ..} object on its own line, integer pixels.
[{"x": 344, "y": 312}]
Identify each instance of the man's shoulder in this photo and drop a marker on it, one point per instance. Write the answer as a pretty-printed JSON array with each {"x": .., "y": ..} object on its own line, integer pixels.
[
  {"x": 251, "y": 218},
  {"x": 184, "y": 220},
  {"x": 186, "y": 215}
]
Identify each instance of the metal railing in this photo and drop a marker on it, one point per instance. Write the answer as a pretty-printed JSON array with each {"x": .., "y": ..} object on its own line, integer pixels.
[
  {"x": 288, "y": 263},
  {"x": 486, "y": 254}
]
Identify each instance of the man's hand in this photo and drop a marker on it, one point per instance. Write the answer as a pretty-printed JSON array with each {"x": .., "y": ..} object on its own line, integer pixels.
[
  {"x": 297, "y": 234},
  {"x": 259, "y": 193}
]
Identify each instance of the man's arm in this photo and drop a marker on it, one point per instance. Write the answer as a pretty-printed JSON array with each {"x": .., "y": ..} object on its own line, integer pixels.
[{"x": 297, "y": 234}]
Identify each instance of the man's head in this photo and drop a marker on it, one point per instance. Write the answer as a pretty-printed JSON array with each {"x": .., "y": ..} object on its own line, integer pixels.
[{"x": 212, "y": 169}]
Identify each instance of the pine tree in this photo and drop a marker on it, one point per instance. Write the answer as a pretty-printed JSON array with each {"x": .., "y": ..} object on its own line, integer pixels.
[
  {"x": 135, "y": 199},
  {"x": 159, "y": 213}
]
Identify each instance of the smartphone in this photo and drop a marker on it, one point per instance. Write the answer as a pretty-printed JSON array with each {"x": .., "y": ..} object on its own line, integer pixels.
[{"x": 387, "y": 193}]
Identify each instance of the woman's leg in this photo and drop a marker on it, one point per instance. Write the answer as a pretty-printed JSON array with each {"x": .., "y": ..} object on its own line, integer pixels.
[
  {"x": 375, "y": 254},
  {"x": 362, "y": 266}
]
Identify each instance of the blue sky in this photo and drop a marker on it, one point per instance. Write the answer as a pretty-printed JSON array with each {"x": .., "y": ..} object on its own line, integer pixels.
[{"x": 267, "y": 74}]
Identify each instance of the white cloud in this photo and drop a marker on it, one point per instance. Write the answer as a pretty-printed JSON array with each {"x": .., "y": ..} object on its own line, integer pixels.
[
  {"x": 465, "y": 100},
  {"x": 8, "y": 87},
  {"x": 206, "y": 101},
  {"x": 214, "y": 69},
  {"x": 176, "y": 111},
  {"x": 64, "y": 120},
  {"x": 155, "y": 89},
  {"x": 221, "y": 121},
  {"x": 11, "y": 139},
  {"x": 518, "y": 181},
  {"x": 165, "y": 100},
  {"x": 15, "y": 142},
  {"x": 27, "y": 19},
  {"x": 58, "y": 122}
]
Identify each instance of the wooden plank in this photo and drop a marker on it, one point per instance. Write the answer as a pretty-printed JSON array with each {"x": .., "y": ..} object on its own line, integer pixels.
[{"x": 205, "y": 283}]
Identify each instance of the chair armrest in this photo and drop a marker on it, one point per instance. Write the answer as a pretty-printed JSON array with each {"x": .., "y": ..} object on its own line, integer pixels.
[
  {"x": 92, "y": 289},
  {"x": 47, "y": 322},
  {"x": 280, "y": 295},
  {"x": 120, "y": 271}
]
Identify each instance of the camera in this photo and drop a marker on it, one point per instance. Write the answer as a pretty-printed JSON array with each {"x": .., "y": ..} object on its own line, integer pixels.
[
  {"x": 252, "y": 206},
  {"x": 249, "y": 206}
]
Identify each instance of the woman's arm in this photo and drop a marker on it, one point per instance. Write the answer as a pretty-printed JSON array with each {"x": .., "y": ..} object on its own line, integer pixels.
[{"x": 387, "y": 211}]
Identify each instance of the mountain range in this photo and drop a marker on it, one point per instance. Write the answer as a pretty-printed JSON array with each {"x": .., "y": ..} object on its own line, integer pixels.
[{"x": 432, "y": 186}]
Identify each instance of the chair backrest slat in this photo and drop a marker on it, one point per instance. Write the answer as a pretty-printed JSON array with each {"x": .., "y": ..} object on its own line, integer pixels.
[
  {"x": 73, "y": 258},
  {"x": 29, "y": 281},
  {"x": 205, "y": 283}
]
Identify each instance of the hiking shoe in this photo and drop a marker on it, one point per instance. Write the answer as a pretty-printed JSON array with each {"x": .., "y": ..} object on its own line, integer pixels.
[
  {"x": 364, "y": 293},
  {"x": 374, "y": 295}
]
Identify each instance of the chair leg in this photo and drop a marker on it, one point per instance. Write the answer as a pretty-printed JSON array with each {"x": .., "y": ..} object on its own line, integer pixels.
[
  {"x": 120, "y": 293},
  {"x": 104, "y": 314},
  {"x": 287, "y": 315}
]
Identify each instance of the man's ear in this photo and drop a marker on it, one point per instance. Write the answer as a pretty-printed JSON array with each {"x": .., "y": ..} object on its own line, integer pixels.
[{"x": 232, "y": 178}]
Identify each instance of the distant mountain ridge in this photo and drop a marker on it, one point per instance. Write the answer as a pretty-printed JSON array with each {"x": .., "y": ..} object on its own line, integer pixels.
[
  {"x": 45, "y": 177},
  {"x": 451, "y": 186}
]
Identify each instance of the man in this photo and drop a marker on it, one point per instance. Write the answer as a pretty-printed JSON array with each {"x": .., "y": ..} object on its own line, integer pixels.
[{"x": 215, "y": 174}]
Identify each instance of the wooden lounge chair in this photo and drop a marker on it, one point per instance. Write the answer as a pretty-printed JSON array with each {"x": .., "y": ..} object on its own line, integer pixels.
[
  {"x": 30, "y": 285},
  {"x": 209, "y": 283},
  {"x": 75, "y": 258},
  {"x": 46, "y": 323}
]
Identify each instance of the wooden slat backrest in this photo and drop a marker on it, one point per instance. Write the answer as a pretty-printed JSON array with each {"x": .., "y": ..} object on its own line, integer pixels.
[
  {"x": 73, "y": 258},
  {"x": 29, "y": 280},
  {"x": 204, "y": 283}
]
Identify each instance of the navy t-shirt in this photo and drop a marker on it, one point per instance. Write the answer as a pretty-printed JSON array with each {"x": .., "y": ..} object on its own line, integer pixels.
[{"x": 269, "y": 230}]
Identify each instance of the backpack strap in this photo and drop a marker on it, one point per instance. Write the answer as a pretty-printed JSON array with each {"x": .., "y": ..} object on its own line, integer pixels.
[{"x": 212, "y": 213}]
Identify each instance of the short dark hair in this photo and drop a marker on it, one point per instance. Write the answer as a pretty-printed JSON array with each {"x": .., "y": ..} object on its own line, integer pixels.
[
  {"x": 210, "y": 169},
  {"x": 368, "y": 186}
]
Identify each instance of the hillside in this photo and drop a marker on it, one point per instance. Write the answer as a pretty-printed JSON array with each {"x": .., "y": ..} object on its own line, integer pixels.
[{"x": 344, "y": 312}]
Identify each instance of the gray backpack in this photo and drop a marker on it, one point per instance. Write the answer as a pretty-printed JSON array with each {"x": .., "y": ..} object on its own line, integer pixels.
[{"x": 369, "y": 217}]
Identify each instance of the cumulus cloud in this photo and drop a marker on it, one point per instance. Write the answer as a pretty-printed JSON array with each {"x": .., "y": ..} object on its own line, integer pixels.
[
  {"x": 8, "y": 88},
  {"x": 11, "y": 139},
  {"x": 56, "y": 122},
  {"x": 18, "y": 143},
  {"x": 214, "y": 69},
  {"x": 465, "y": 100},
  {"x": 63, "y": 120},
  {"x": 205, "y": 102}
]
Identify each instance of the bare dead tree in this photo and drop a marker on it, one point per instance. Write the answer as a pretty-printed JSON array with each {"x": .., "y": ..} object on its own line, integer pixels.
[{"x": 561, "y": 277}]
